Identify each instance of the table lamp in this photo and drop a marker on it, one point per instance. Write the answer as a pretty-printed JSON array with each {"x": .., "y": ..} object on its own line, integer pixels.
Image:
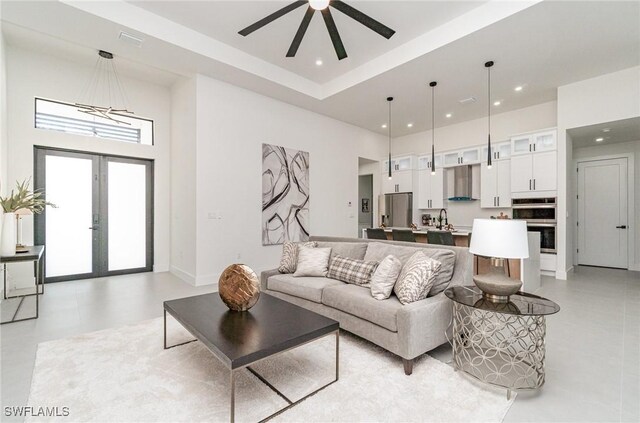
[
  {"x": 498, "y": 239},
  {"x": 21, "y": 248}
]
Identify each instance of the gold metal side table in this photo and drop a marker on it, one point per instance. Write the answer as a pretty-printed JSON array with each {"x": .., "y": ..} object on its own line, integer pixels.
[
  {"x": 33, "y": 254},
  {"x": 501, "y": 344}
]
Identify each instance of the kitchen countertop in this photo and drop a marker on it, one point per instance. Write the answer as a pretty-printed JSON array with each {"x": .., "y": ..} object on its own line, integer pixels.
[{"x": 424, "y": 230}]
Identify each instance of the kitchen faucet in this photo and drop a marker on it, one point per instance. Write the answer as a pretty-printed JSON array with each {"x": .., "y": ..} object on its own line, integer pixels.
[{"x": 446, "y": 220}]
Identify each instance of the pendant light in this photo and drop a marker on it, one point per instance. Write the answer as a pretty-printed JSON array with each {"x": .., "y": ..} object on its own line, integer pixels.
[
  {"x": 103, "y": 95},
  {"x": 389, "y": 100},
  {"x": 433, "y": 128},
  {"x": 488, "y": 65}
]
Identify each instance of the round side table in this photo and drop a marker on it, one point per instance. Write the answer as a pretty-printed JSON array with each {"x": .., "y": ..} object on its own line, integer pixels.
[{"x": 500, "y": 343}]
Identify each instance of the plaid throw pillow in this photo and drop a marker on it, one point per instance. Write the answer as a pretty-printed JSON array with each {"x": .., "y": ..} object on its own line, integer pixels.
[{"x": 351, "y": 270}]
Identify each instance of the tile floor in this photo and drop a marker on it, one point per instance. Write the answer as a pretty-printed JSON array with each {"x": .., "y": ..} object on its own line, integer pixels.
[{"x": 593, "y": 344}]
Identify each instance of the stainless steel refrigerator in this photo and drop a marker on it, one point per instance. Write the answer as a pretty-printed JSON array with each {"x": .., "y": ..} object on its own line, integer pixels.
[{"x": 396, "y": 210}]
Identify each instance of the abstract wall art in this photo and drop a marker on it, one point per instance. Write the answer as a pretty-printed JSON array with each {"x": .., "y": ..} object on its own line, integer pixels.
[{"x": 285, "y": 195}]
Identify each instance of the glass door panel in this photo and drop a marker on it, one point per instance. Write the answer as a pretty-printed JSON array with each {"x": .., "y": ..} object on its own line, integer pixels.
[
  {"x": 127, "y": 230},
  {"x": 69, "y": 226}
]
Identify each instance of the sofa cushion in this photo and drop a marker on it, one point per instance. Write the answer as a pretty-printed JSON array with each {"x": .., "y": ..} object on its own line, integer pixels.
[
  {"x": 354, "y": 250},
  {"x": 377, "y": 251},
  {"x": 289, "y": 259},
  {"x": 357, "y": 301},
  {"x": 309, "y": 288},
  {"x": 384, "y": 278},
  {"x": 351, "y": 270},
  {"x": 416, "y": 278},
  {"x": 312, "y": 261}
]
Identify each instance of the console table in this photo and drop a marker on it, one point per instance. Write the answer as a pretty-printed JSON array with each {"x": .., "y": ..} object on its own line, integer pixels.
[
  {"x": 500, "y": 343},
  {"x": 33, "y": 254}
]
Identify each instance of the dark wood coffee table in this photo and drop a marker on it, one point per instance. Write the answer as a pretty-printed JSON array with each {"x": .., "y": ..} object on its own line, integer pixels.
[{"x": 240, "y": 339}]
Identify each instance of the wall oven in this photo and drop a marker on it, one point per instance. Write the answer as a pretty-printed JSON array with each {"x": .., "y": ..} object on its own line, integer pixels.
[{"x": 540, "y": 214}]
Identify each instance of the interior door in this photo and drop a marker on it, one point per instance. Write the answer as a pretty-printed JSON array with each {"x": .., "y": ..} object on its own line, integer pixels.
[
  {"x": 602, "y": 213},
  {"x": 103, "y": 222}
]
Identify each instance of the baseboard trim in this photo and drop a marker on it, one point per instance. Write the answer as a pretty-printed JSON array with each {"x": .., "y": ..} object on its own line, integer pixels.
[
  {"x": 183, "y": 275},
  {"x": 211, "y": 279},
  {"x": 634, "y": 267}
]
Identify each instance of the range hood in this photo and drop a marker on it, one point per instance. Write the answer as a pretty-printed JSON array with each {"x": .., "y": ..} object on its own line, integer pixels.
[{"x": 462, "y": 184}]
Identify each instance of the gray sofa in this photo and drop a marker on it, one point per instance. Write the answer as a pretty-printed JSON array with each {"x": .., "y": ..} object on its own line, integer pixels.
[{"x": 406, "y": 330}]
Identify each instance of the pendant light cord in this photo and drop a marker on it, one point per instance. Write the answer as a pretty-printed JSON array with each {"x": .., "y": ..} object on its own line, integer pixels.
[
  {"x": 488, "y": 65},
  {"x": 433, "y": 127}
]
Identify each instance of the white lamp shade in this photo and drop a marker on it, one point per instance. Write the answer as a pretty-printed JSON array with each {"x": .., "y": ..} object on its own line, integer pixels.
[{"x": 500, "y": 238}]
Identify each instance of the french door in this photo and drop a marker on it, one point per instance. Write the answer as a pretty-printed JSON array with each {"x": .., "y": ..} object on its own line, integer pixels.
[{"x": 103, "y": 222}]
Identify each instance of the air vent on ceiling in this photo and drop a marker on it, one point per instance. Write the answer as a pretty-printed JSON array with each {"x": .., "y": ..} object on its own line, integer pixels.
[
  {"x": 467, "y": 100},
  {"x": 131, "y": 39}
]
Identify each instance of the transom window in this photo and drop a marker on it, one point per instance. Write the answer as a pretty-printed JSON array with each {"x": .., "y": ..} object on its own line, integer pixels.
[{"x": 65, "y": 117}]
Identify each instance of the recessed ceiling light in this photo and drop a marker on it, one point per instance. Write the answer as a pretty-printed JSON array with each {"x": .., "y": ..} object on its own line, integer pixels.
[
  {"x": 518, "y": 88},
  {"x": 319, "y": 62},
  {"x": 448, "y": 115},
  {"x": 599, "y": 139},
  {"x": 497, "y": 103},
  {"x": 606, "y": 129},
  {"x": 409, "y": 125},
  {"x": 384, "y": 125}
]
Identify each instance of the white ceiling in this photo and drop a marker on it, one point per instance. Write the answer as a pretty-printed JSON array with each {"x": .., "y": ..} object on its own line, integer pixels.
[
  {"x": 625, "y": 130},
  {"x": 222, "y": 20},
  {"x": 538, "y": 45}
]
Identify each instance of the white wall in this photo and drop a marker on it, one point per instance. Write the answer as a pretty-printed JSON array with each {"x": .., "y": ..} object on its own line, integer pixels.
[
  {"x": 612, "y": 150},
  {"x": 231, "y": 125},
  {"x": 606, "y": 98},
  {"x": 3, "y": 117},
  {"x": 183, "y": 179},
  {"x": 472, "y": 133},
  {"x": 31, "y": 75}
]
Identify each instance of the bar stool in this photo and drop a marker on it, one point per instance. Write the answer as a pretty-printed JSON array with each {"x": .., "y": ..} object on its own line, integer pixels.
[
  {"x": 376, "y": 233},
  {"x": 440, "y": 237},
  {"x": 403, "y": 235}
]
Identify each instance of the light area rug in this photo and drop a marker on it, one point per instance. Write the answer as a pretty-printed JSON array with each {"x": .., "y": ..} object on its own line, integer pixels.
[{"x": 125, "y": 375}]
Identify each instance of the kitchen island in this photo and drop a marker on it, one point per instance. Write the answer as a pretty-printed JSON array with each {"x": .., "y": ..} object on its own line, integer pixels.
[{"x": 460, "y": 236}]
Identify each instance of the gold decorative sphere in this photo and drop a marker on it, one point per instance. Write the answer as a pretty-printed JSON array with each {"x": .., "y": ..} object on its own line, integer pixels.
[{"x": 239, "y": 287}]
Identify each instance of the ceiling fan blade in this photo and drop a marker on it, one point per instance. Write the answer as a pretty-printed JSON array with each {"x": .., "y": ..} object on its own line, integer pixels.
[
  {"x": 365, "y": 20},
  {"x": 333, "y": 33},
  {"x": 272, "y": 17},
  {"x": 293, "y": 49}
]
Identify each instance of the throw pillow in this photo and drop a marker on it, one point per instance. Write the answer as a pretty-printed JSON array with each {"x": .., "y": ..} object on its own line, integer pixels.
[
  {"x": 312, "y": 261},
  {"x": 350, "y": 270},
  {"x": 416, "y": 278},
  {"x": 289, "y": 257},
  {"x": 384, "y": 278}
]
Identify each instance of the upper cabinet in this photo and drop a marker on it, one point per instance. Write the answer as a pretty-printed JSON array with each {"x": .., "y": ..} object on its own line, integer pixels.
[
  {"x": 495, "y": 185},
  {"x": 460, "y": 157},
  {"x": 399, "y": 163},
  {"x": 401, "y": 181},
  {"x": 533, "y": 142},
  {"x": 424, "y": 162},
  {"x": 431, "y": 190},
  {"x": 499, "y": 151},
  {"x": 534, "y": 175}
]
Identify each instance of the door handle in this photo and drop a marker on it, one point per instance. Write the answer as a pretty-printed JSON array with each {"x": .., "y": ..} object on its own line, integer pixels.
[
  {"x": 529, "y": 184},
  {"x": 94, "y": 228},
  {"x": 534, "y": 184},
  {"x": 498, "y": 201},
  {"x": 621, "y": 227}
]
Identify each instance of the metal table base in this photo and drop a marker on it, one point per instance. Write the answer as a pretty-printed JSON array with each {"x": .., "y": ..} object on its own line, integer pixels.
[
  {"x": 261, "y": 378},
  {"x": 35, "y": 255}
]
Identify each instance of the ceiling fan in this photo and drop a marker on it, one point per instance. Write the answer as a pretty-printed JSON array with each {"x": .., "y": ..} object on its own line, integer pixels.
[{"x": 323, "y": 7}]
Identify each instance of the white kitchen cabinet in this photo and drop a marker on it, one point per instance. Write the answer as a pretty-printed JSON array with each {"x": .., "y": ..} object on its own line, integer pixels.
[
  {"x": 401, "y": 181},
  {"x": 468, "y": 156},
  {"x": 431, "y": 189},
  {"x": 399, "y": 164},
  {"x": 424, "y": 162},
  {"x": 495, "y": 185},
  {"x": 499, "y": 151},
  {"x": 534, "y": 174},
  {"x": 534, "y": 142}
]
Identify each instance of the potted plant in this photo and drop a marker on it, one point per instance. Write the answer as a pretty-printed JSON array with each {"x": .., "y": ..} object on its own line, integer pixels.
[{"x": 21, "y": 198}]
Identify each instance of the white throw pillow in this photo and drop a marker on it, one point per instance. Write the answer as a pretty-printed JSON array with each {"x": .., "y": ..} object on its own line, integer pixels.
[
  {"x": 289, "y": 257},
  {"x": 385, "y": 276},
  {"x": 416, "y": 278},
  {"x": 312, "y": 261}
]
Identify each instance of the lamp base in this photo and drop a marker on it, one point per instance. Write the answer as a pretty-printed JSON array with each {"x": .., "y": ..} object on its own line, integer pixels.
[{"x": 496, "y": 286}]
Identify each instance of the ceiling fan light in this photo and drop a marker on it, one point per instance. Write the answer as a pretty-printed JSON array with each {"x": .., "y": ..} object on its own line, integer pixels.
[{"x": 319, "y": 4}]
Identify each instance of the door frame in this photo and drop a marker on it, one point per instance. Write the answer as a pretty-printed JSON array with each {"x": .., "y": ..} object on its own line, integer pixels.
[
  {"x": 100, "y": 205},
  {"x": 631, "y": 238}
]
